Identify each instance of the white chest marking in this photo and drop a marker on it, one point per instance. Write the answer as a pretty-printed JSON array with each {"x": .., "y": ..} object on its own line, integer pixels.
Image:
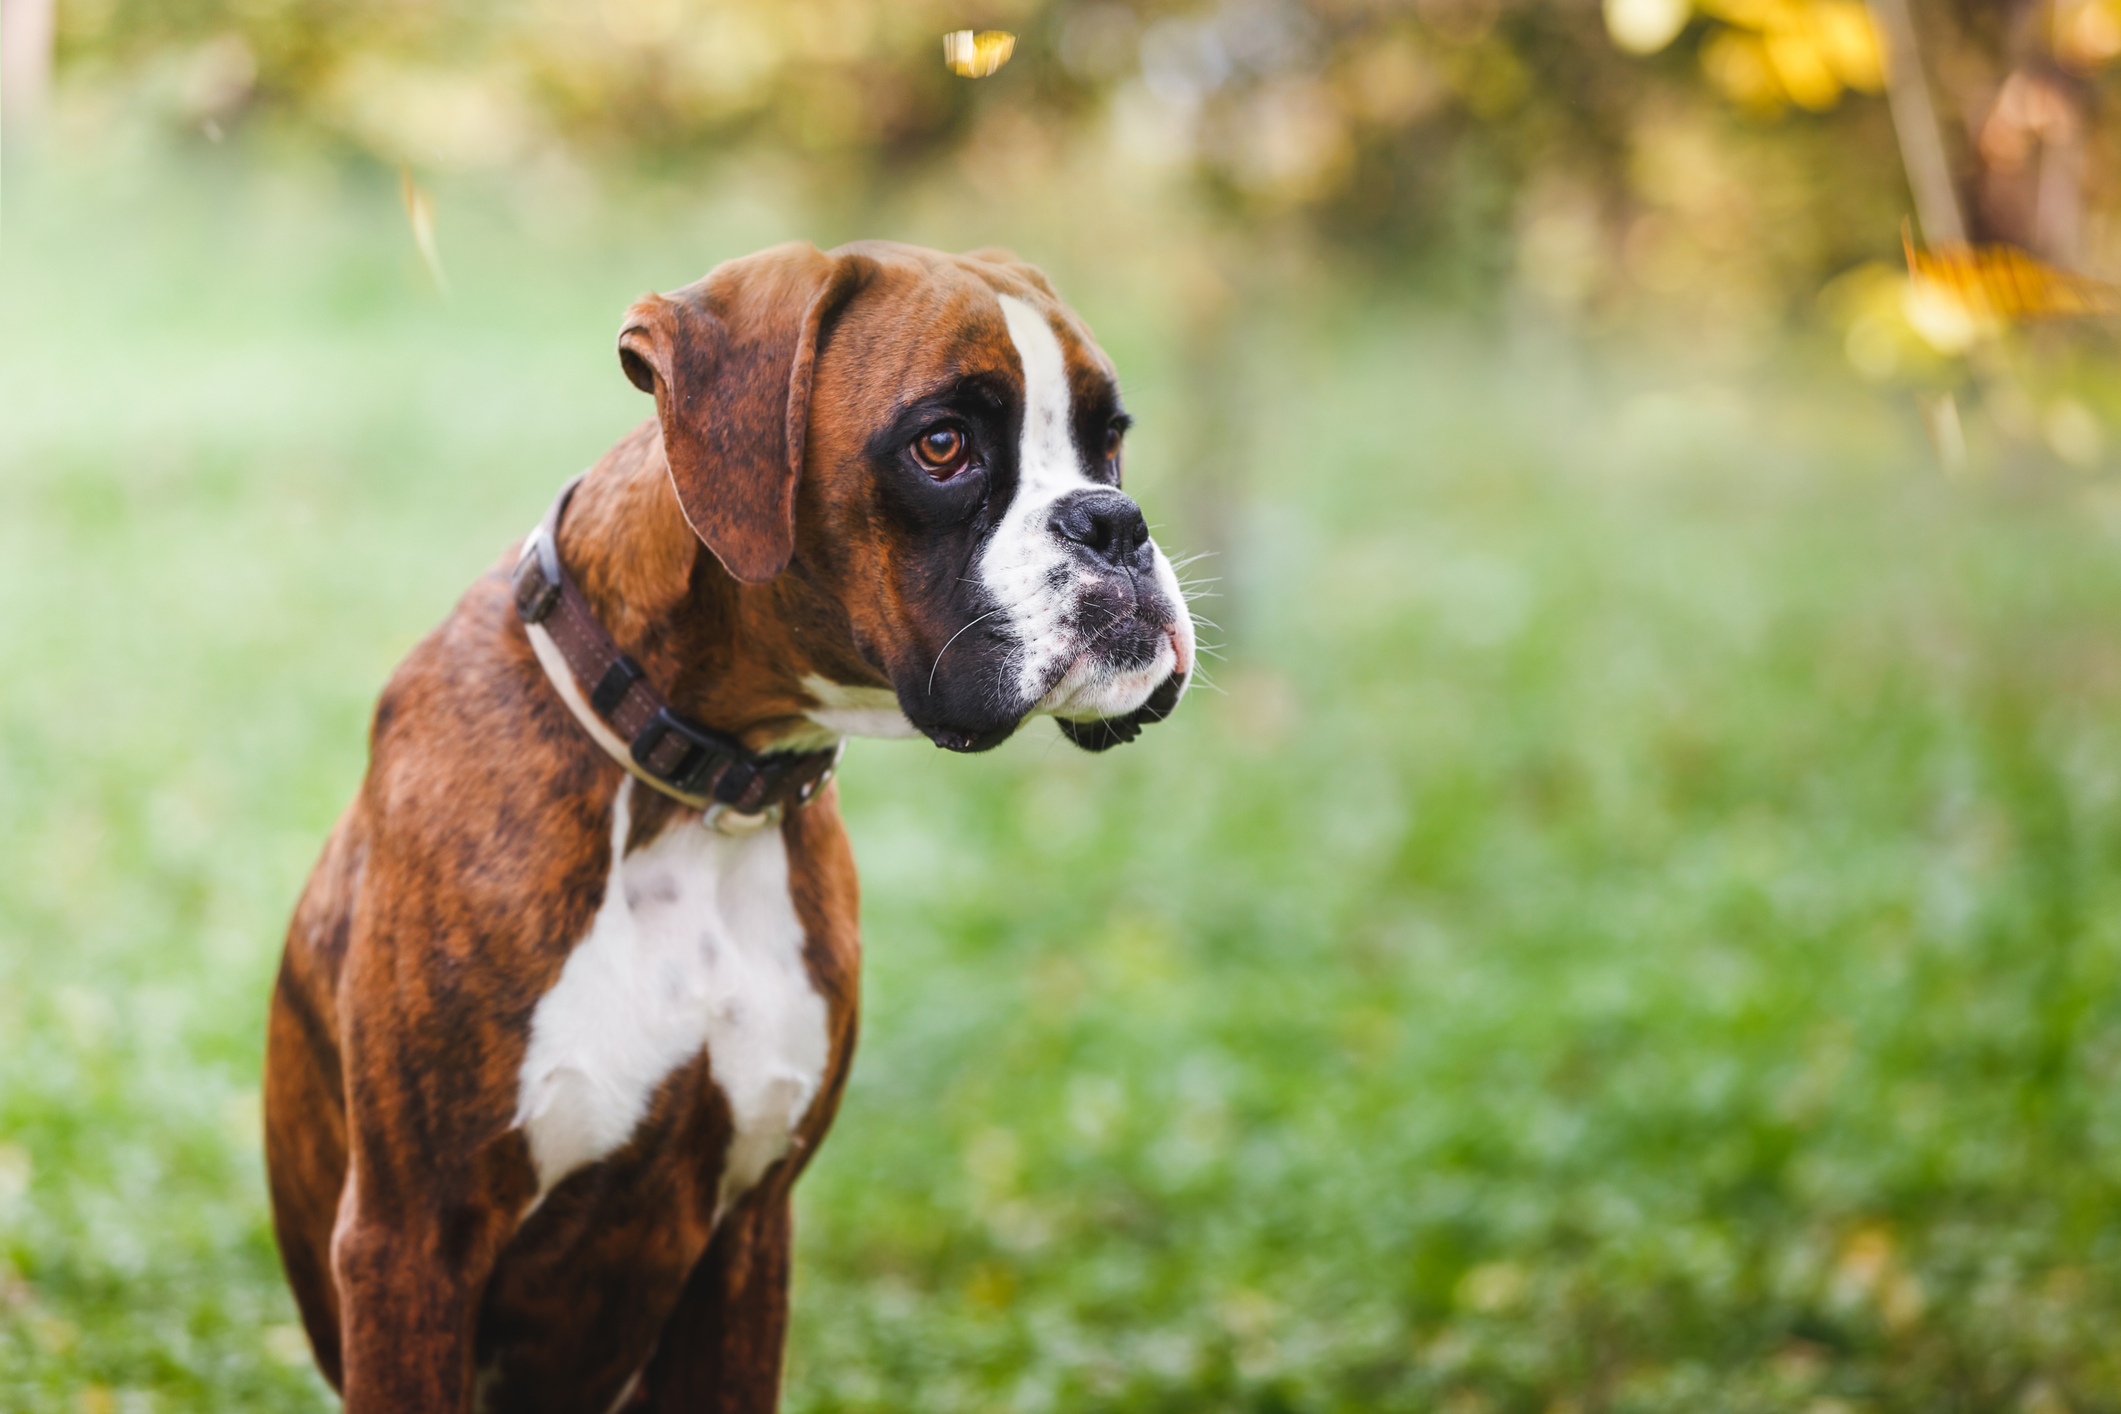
[
  {"x": 1018, "y": 566},
  {"x": 856, "y": 711},
  {"x": 696, "y": 944}
]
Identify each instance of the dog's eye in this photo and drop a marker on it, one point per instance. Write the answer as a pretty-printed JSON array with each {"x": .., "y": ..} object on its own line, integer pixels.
[
  {"x": 941, "y": 450},
  {"x": 1113, "y": 436}
]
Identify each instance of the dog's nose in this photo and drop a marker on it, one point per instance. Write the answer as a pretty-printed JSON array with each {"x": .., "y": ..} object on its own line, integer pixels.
[{"x": 1107, "y": 524}]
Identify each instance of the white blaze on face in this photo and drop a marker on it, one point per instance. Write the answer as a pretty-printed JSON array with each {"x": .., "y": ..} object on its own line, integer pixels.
[
  {"x": 1034, "y": 574},
  {"x": 1026, "y": 567}
]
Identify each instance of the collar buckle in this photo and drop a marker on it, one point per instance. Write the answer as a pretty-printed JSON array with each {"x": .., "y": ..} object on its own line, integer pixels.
[{"x": 682, "y": 754}]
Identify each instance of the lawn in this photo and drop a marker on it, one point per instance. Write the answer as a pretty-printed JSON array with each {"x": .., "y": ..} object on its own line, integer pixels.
[{"x": 1638, "y": 927}]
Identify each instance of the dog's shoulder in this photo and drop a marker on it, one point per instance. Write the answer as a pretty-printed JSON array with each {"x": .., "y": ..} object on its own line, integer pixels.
[{"x": 482, "y": 785}]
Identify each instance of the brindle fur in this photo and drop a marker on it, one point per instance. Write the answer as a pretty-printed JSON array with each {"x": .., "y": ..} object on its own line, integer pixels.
[{"x": 475, "y": 856}]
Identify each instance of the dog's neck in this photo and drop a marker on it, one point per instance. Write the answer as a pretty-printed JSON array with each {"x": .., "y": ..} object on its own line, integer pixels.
[{"x": 721, "y": 651}]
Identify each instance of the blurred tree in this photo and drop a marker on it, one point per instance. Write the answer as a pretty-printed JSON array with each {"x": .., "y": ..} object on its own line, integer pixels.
[
  {"x": 1405, "y": 130},
  {"x": 25, "y": 68},
  {"x": 1699, "y": 167}
]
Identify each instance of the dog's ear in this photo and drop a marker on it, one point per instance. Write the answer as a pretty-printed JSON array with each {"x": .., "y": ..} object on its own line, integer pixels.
[{"x": 729, "y": 359}]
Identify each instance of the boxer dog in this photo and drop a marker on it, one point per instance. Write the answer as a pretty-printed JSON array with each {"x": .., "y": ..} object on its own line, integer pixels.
[{"x": 569, "y": 999}]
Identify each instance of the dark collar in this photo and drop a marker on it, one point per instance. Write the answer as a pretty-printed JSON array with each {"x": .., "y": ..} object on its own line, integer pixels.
[{"x": 612, "y": 699}]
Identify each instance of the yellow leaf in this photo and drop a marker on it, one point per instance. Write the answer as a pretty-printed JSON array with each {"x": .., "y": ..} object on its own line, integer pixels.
[
  {"x": 2001, "y": 284},
  {"x": 1944, "y": 321},
  {"x": 1737, "y": 63},
  {"x": 976, "y": 55},
  {"x": 1850, "y": 43},
  {"x": 2087, "y": 34},
  {"x": 1802, "y": 68}
]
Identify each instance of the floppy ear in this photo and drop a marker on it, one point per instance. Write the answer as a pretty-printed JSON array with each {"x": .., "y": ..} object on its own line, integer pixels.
[{"x": 729, "y": 359}]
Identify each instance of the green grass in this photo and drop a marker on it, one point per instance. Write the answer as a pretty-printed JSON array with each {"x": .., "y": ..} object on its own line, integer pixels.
[{"x": 1641, "y": 931}]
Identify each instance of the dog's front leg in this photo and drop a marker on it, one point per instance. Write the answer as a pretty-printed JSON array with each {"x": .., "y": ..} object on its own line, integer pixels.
[
  {"x": 435, "y": 1185},
  {"x": 720, "y": 1351},
  {"x": 411, "y": 1271}
]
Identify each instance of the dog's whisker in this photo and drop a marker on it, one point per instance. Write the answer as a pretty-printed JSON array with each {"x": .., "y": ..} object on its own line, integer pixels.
[{"x": 946, "y": 647}]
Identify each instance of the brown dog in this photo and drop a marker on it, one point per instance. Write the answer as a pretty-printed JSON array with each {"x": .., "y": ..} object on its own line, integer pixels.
[{"x": 569, "y": 1000}]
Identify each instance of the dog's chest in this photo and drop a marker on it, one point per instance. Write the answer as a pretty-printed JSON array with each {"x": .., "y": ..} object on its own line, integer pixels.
[{"x": 695, "y": 946}]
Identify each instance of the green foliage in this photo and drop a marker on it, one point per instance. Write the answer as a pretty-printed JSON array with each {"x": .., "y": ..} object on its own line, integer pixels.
[
  {"x": 1424, "y": 135},
  {"x": 1637, "y": 933}
]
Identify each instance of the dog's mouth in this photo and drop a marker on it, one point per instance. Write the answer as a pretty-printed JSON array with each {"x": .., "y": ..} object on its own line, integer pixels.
[
  {"x": 1127, "y": 674},
  {"x": 1119, "y": 660},
  {"x": 1117, "y": 672},
  {"x": 1104, "y": 733}
]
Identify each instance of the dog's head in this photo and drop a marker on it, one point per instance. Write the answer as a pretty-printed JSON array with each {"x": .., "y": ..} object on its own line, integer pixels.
[{"x": 935, "y": 442}]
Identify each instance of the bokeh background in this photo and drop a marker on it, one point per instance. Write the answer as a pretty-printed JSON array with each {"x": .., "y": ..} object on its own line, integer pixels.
[{"x": 1634, "y": 922}]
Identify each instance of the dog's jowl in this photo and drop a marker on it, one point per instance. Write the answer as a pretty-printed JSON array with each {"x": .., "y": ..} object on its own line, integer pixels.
[{"x": 569, "y": 1000}]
